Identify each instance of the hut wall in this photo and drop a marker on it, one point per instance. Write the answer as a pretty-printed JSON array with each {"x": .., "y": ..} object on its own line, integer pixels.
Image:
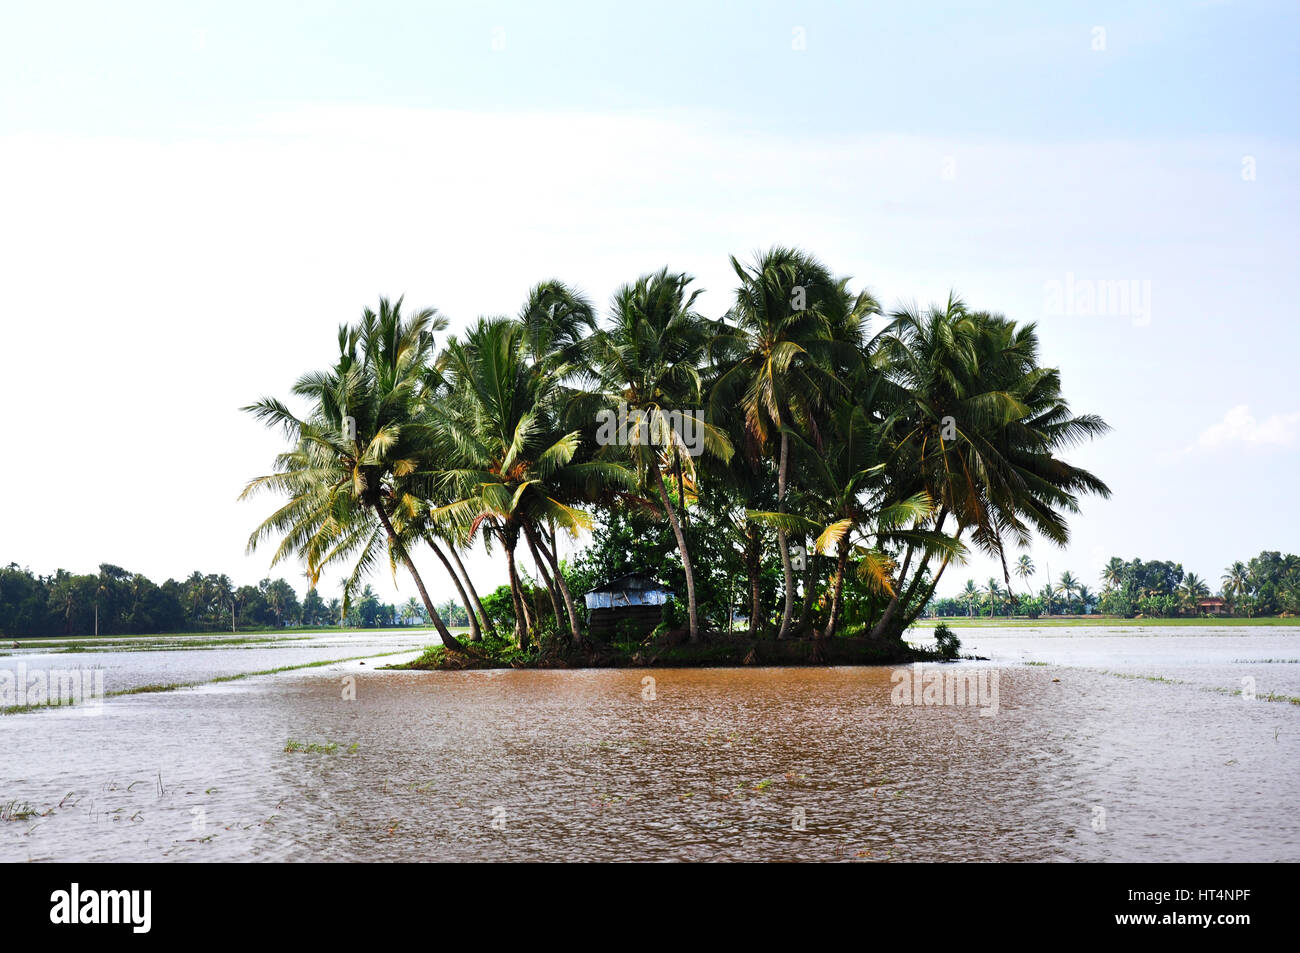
[{"x": 608, "y": 624}]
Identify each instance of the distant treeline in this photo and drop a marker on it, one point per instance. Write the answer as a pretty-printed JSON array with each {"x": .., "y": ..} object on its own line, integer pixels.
[
  {"x": 1268, "y": 584},
  {"x": 117, "y": 602}
]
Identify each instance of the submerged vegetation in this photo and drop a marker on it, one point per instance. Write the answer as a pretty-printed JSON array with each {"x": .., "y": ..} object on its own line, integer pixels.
[{"x": 786, "y": 468}]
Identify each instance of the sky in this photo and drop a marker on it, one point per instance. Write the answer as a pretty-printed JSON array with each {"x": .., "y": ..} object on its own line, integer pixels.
[{"x": 192, "y": 200}]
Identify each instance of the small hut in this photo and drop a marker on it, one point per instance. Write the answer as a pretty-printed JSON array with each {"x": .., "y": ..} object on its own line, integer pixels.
[
  {"x": 630, "y": 605},
  {"x": 1211, "y": 606}
]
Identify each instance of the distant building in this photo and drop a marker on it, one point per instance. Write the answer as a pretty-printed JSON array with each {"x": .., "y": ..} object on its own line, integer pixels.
[
  {"x": 1212, "y": 606},
  {"x": 630, "y": 605}
]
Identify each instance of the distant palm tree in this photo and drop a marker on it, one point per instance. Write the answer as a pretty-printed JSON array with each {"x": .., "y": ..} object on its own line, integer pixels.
[
  {"x": 1048, "y": 595},
  {"x": 970, "y": 595},
  {"x": 1236, "y": 581},
  {"x": 1024, "y": 567},
  {"x": 1113, "y": 573},
  {"x": 992, "y": 595},
  {"x": 413, "y": 612},
  {"x": 1067, "y": 587},
  {"x": 1192, "y": 590},
  {"x": 1086, "y": 597}
]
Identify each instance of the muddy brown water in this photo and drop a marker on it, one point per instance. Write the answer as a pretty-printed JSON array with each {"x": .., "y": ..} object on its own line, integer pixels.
[{"x": 1127, "y": 744}]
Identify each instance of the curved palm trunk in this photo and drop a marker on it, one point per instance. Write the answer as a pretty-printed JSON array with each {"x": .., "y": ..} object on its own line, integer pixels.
[
  {"x": 544, "y": 573},
  {"x": 883, "y": 627},
  {"x": 487, "y": 624},
  {"x": 448, "y": 640},
  {"x": 522, "y": 621},
  {"x": 574, "y": 630},
  {"x": 681, "y": 549},
  {"x": 788, "y": 612},
  {"x": 929, "y": 592},
  {"x": 475, "y": 635},
  {"x": 837, "y": 594}
]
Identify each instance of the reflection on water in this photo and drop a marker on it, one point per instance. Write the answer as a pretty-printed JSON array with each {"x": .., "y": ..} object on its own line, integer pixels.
[{"x": 1089, "y": 758}]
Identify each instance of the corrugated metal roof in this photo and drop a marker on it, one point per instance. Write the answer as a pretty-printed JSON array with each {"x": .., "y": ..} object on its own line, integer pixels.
[{"x": 633, "y": 581}]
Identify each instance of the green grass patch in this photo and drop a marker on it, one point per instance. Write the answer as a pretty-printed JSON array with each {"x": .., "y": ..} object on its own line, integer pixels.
[
  {"x": 16, "y": 811},
  {"x": 311, "y": 747}
]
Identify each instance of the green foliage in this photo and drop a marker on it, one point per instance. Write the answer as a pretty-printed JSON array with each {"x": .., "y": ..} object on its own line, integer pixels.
[
  {"x": 500, "y": 608},
  {"x": 117, "y": 602},
  {"x": 946, "y": 641}
]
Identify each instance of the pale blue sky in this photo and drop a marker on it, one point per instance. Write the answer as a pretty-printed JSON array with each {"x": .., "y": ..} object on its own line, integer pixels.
[{"x": 193, "y": 199}]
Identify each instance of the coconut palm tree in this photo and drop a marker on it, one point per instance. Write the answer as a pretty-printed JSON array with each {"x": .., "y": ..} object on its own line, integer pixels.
[
  {"x": 992, "y": 595},
  {"x": 647, "y": 364},
  {"x": 846, "y": 484},
  {"x": 970, "y": 595},
  {"x": 1024, "y": 567},
  {"x": 505, "y": 468},
  {"x": 1236, "y": 582},
  {"x": 978, "y": 423},
  {"x": 1086, "y": 598},
  {"x": 412, "y": 612},
  {"x": 352, "y": 452},
  {"x": 791, "y": 321},
  {"x": 1113, "y": 574},
  {"x": 1192, "y": 590},
  {"x": 1067, "y": 586}
]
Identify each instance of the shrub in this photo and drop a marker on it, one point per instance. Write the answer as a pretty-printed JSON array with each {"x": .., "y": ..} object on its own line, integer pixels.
[{"x": 946, "y": 642}]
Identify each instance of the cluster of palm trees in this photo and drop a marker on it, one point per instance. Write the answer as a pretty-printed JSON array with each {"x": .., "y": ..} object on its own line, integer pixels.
[
  {"x": 880, "y": 456},
  {"x": 1268, "y": 583},
  {"x": 1067, "y": 588}
]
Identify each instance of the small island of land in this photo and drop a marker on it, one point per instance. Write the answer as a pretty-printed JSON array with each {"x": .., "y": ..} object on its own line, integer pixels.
[{"x": 714, "y": 650}]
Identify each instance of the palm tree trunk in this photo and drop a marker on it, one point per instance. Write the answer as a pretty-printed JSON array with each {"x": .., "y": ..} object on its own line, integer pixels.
[
  {"x": 681, "y": 549},
  {"x": 753, "y": 567},
  {"x": 484, "y": 620},
  {"x": 809, "y": 593},
  {"x": 892, "y": 608},
  {"x": 522, "y": 622},
  {"x": 681, "y": 486},
  {"x": 544, "y": 573},
  {"x": 929, "y": 590},
  {"x": 474, "y": 634},
  {"x": 837, "y": 594},
  {"x": 448, "y": 640},
  {"x": 564, "y": 589},
  {"x": 879, "y": 629},
  {"x": 788, "y": 612}
]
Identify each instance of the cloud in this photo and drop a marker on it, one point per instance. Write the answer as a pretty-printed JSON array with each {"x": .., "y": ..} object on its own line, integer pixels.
[{"x": 1240, "y": 428}]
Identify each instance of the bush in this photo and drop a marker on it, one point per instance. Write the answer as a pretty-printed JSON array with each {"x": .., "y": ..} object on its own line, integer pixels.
[
  {"x": 674, "y": 615},
  {"x": 946, "y": 642}
]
